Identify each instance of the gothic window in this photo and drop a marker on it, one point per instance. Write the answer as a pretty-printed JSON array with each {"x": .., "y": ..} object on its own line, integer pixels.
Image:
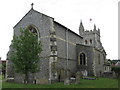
[
  {"x": 85, "y": 41},
  {"x": 90, "y": 41},
  {"x": 82, "y": 59},
  {"x": 32, "y": 29}
]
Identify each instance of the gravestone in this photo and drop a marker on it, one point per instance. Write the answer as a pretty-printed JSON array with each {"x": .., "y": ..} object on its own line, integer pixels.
[
  {"x": 78, "y": 75},
  {"x": 42, "y": 81},
  {"x": 67, "y": 81},
  {"x": 72, "y": 80}
]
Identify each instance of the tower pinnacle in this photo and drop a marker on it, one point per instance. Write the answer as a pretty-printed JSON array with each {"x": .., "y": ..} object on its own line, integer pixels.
[
  {"x": 98, "y": 30},
  {"x": 94, "y": 27},
  {"x": 81, "y": 28}
]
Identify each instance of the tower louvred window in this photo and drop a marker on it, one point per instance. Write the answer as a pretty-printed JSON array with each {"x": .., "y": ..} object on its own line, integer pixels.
[{"x": 90, "y": 41}]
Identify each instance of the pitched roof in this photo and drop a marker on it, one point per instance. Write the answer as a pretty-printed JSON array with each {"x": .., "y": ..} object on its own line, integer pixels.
[
  {"x": 28, "y": 13},
  {"x": 67, "y": 28},
  {"x": 47, "y": 16},
  {"x": 117, "y": 64}
]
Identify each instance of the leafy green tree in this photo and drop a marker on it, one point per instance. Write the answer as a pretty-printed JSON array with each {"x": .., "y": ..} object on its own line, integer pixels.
[
  {"x": 0, "y": 66},
  {"x": 3, "y": 69},
  {"x": 116, "y": 70},
  {"x": 26, "y": 55}
]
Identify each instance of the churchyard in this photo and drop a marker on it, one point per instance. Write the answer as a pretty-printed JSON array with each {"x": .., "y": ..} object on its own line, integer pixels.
[
  {"x": 84, "y": 83},
  {"x": 0, "y": 77}
]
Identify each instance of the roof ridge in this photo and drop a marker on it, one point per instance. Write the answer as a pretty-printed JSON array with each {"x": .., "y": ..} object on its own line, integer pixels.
[{"x": 27, "y": 14}]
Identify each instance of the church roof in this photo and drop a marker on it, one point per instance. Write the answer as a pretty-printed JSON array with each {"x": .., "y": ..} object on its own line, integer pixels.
[
  {"x": 49, "y": 17},
  {"x": 67, "y": 28},
  {"x": 117, "y": 64},
  {"x": 84, "y": 45},
  {"x": 28, "y": 13}
]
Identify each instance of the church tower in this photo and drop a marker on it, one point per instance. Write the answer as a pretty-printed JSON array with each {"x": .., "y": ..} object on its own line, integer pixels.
[
  {"x": 91, "y": 52},
  {"x": 90, "y": 37}
]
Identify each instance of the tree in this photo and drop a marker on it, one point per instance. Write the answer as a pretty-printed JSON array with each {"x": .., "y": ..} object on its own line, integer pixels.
[
  {"x": 0, "y": 66},
  {"x": 3, "y": 68},
  {"x": 26, "y": 55},
  {"x": 116, "y": 70}
]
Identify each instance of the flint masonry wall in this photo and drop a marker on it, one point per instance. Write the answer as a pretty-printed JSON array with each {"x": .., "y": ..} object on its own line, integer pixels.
[
  {"x": 53, "y": 37},
  {"x": 43, "y": 24},
  {"x": 99, "y": 61},
  {"x": 73, "y": 38},
  {"x": 88, "y": 50}
]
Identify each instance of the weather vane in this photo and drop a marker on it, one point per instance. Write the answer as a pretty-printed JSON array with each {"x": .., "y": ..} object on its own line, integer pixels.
[{"x": 32, "y": 5}]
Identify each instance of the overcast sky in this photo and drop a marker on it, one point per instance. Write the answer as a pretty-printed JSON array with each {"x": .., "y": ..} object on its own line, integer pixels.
[{"x": 104, "y": 13}]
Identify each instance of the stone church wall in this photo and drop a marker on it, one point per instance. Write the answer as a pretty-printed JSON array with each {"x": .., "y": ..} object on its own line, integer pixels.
[
  {"x": 55, "y": 38},
  {"x": 89, "y": 55},
  {"x": 99, "y": 61},
  {"x": 61, "y": 37},
  {"x": 43, "y": 24}
]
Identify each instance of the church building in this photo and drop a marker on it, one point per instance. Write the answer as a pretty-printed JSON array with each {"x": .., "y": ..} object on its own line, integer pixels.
[{"x": 64, "y": 52}]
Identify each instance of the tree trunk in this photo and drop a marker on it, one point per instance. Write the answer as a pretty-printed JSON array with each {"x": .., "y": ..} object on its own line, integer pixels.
[{"x": 26, "y": 78}]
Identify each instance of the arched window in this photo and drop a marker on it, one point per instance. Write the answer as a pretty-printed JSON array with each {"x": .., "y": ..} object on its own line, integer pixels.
[
  {"x": 85, "y": 41},
  {"x": 90, "y": 41},
  {"x": 82, "y": 59},
  {"x": 32, "y": 29}
]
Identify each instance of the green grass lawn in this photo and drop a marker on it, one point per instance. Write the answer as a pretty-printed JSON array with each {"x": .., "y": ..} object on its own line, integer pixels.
[
  {"x": 98, "y": 83},
  {"x": 1, "y": 77}
]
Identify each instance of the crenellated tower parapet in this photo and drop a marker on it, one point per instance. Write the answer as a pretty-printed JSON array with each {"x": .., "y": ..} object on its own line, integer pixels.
[
  {"x": 90, "y": 37},
  {"x": 93, "y": 31}
]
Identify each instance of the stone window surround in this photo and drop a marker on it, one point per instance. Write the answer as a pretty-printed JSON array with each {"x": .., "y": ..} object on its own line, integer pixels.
[
  {"x": 85, "y": 58},
  {"x": 34, "y": 27}
]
